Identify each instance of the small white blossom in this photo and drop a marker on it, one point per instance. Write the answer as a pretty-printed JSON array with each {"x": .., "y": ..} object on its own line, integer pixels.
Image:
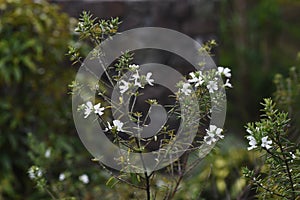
[
  {"x": 185, "y": 89},
  {"x": 265, "y": 142},
  {"x": 149, "y": 79},
  {"x": 34, "y": 172},
  {"x": 161, "y": 183},
  {"x": 210, "y": 138},
  {"x": 212, "y": 85},
  {"x": 98, "y": 109},
  {"x": 225, "y": 71},
  {"x": 252, "y": 142},
  {"x": 218, "y": 133},
  {"x": 227, "y": 84},
  {"x": 196, "y": 78},
  {"x": 136, "y": 78},
  {"x": 293, "y": 155},
  {"x": 118, "y": 124},
  {"x": 212, "y": 134},
  {"x": 133, "y": 67},
  {"x": 84, "y": 178},
  {"x": 124, "y": 87},
  {"x": 48, "y": 153},
  {"x": 61, "y": 177},
  {"x": 31, "y": 173},
  {"x": 213, "y": 129},
  {"x": 88, "y": 108}
]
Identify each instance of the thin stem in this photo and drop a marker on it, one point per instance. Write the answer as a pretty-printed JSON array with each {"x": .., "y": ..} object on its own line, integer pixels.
[
  {"x": 272, "y": 154},
  {"x": 120, "y": 179},
  {"x": 176, "y": 187},
  {"x": 102, "y": 65},
  {"x": 181, "y": 175},
  {"x": 147, "y": 177},
  {"x": 50, "y": 193},
  {"x": 147, "y": 185},
  {"x": 133, "y": 103},
  {"x": 267, "y": 189},
  {"x": 287, "y": 169}
]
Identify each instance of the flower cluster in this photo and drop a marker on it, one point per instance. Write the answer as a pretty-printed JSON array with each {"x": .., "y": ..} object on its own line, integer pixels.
[
  {"x": 35, "y": 172},
  {"x": 84, "y": 178},
  {"x": 253, "y": 142},
  {"x": 199, "y": 78},
  {"x": 138, "y": 80},
  {"x": 88, "y": 108},
  {"x": 213, "y": 134}
]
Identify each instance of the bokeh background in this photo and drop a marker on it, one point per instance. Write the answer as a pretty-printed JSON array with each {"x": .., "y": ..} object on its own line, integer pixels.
[{"x": 256, "y": 38}]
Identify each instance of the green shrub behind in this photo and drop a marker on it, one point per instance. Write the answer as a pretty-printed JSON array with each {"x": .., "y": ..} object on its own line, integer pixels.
[{"x": 33, "y": 84}]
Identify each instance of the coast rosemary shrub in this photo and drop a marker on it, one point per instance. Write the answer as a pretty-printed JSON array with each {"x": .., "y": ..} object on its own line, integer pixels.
[
  {"x": 275, "y": 137},
  {"x": 163, "y": 184}
]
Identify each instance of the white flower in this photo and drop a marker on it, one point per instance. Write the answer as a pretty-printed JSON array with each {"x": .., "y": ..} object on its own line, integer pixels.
[
  {"x": 88, "y": 108},
  {"x": 39, "y": 173},
  {"x": 266, "y": 143},
  {"x": 215, "y": 131},
  {"x": 293, "y": 155},
  {"x": 210, "y": 138},
  {"x": 225, "y": 71},
  {"x": 252, "y": 142},
  {"x": 161, "y": 183},
  {"x": 212, "y": 134},
  {"x": 196, "y": 78},
  {"x": 118, "y": 124},
  {"x": 136, "y": 77},
  {"x": 98, "y": 109},
  {"x": 31, "y": 173},
  {"x": 61, "y": 177},
  {"x": 218, "y": 133},
  {"x": 48, "y": 153},
  {"x": 212, "y": 85},
  {"x": 227, "y": 84},
  {"x": 123, "y": 88},
  {"x": 149, "y": 79},
  {"x": 34, "y": 172},
  {"x": 185, "y": 89},
  {"x": 84, "y": 178},
  {"x": 133, "y": 67}
]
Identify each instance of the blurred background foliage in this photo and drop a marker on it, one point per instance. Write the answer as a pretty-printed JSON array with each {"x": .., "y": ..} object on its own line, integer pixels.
[
  {"x": 33, "y": 86},
  {"x": 258, "y": 39}
]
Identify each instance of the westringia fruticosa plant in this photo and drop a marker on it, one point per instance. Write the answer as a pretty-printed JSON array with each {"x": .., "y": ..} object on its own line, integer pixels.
[
  {"x": 279, "y": 176},
  {"x": 203, "y": 83}
]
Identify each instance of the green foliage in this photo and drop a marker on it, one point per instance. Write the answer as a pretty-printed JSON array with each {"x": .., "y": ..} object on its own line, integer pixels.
[
  {"x": 33, "y": 40},
  {"x": 27, "y": 31},
  {"x": 96, "y": 30},
  {"x": 279, "y": 177},
  {"x": 62, "y": 161}
]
